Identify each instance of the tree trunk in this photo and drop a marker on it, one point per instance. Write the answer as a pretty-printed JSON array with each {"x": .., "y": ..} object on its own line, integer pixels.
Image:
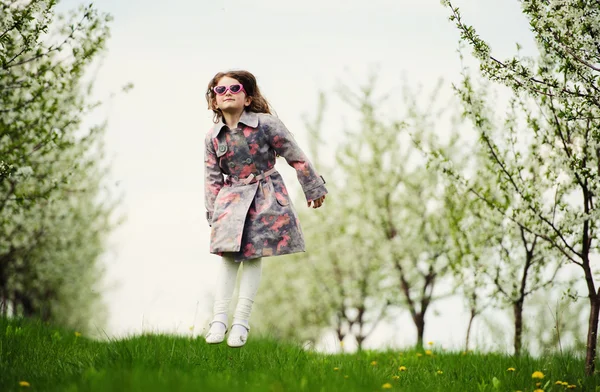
[
  {"x": 4, "y": 305},
  {"x": 473, "y": 314},
  {"x": 359, "y": 341},
  {"x": 518, "y": 311},
  {"x": 3, "y": 288},
  {"x": 418, "y": 316},
  {"x": 26, "y": 304},
  {"x": 340, "y": 336},
  {"x": 338, "y": 330},
  {"x": 420, "y": 324},
  {"x": 592, "y": 337}
]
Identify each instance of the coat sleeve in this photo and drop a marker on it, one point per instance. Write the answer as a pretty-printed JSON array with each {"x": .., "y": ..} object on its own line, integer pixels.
[
  {"x": 284, "y": 144},
  {"x": 213, "y": 177}
]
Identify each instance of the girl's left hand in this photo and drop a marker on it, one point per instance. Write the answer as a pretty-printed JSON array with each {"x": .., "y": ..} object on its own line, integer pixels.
[{"x": 318, "y": 202}]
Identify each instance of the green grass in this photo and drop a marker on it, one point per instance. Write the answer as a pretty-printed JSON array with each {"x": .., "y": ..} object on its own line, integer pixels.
[{"x": 51, "y": 359}]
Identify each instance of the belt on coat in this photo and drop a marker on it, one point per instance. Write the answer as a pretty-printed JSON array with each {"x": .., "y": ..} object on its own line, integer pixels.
[{"x": 252, "y": 177}]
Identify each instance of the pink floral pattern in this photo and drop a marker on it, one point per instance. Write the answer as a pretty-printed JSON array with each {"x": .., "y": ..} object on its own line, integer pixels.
[{"x": 256, "y": 219}]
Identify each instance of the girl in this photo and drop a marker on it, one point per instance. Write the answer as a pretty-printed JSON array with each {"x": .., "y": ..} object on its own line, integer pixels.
[{"x": 247, "y": 204}]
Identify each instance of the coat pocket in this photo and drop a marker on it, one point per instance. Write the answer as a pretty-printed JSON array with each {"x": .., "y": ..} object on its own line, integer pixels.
[{"x": 280, "y": 193}]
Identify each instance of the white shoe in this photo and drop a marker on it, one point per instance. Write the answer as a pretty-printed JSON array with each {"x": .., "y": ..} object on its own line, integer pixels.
[
  {"x": 239, "y": 334},
  {"x": 217, "y": 331}
]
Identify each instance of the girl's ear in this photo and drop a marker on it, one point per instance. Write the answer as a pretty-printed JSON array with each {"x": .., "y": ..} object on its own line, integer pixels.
[{"x": 248, "y": 101}]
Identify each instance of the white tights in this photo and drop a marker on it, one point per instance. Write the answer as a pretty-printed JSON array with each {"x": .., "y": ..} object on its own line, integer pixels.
[{"x": 250, "y": 280}]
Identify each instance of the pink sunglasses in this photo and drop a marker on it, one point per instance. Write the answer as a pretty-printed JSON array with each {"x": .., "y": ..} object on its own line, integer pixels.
[{"x": 234, "y": 88}]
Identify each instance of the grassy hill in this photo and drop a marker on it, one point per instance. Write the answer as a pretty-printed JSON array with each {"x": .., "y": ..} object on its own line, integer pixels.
[{"x": 34, "y": 357}]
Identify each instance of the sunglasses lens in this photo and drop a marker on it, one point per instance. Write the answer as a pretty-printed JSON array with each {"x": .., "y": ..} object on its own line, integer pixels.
[
  {"x": 220, "y": 90},
  {"x": 235, "y": 88}
]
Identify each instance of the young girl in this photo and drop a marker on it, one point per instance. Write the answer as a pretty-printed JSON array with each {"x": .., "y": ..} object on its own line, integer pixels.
[{"x": 247, "y": 203}]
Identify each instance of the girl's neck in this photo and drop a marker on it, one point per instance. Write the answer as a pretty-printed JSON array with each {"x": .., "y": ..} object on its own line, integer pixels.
[{"x": 232, "y": 119}]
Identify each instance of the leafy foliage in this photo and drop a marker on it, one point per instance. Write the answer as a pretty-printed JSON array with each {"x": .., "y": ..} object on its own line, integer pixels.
[
  {"x": 557, "y": 94},
  {"x": 53, "y": 220}
]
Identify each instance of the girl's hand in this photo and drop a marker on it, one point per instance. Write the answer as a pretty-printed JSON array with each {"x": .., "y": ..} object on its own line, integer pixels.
[{"x": 318, "y": 202}]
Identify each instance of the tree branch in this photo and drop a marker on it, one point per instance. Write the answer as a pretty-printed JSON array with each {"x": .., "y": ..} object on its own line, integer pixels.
[
  {"x": 406, "y": 289},
  {"x": 378, "y": 319},
  {"x": 50, "y": 49}
]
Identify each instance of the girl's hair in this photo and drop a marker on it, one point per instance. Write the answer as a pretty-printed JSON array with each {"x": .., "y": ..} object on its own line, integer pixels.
[{"x": 258, "y": 105}]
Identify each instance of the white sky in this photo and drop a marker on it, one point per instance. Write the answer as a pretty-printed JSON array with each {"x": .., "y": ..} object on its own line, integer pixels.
[{"x": 158, "y": 269}]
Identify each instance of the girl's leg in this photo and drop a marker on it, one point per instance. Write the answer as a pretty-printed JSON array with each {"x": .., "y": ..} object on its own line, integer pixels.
[
  {"x": 225, "y": 286},
  {"x": 251, "y": 274}
]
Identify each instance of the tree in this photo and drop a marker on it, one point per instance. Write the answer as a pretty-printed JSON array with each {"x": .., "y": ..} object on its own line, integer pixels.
[
  {"x": 52, "y": 224},
  {"x": 402, "y": 200},
  {"x": 520, "y": 270},
  {"x": 564, "y": 123},
  {"x": 337, "y": 285},
  {"x": 470, "y": 236},
  {"x": 508, "y": 261}
]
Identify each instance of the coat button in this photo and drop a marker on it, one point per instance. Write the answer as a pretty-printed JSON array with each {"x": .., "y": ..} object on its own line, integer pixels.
[
  {"x": 235, "y": 178},
  {"x": 248, "y": 160},
  {"x": 222, "y": 148},
  {"x": 231, "y": 164}
]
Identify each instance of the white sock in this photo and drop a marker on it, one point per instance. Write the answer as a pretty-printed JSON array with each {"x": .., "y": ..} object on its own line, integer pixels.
[
  {"x": 250, "y": 281},
  {"x": 219, "y": 327},
  {"x": 225, "y": 286}
]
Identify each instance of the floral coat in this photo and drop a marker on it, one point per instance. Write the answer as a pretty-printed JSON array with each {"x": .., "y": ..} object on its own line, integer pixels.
[{"x": 251, "y": 216}]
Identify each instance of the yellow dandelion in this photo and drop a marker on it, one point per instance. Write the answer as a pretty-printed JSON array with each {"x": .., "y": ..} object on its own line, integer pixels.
[
  {"x": 510, "y": 369},
  {"x": 571, "y": 386},
  {"x": 192, "y": 328},
  {"x": 395, "y": 377},
  {"x": 336, "y": 369},
  {"x": 24, "y": 384},
  {"x": 419, "y": 355},
  {"x": 538, "y": 384},
  {"x": 428, "y": 352},
  {"x": 402, "y": 368},
  {"x": 374, "y": 363},
  {"x": 537, "y": 374},
  {"x": 464, "y": 353},
  {"x": 345, "y": 376},
  {"x": 538, "y": 390},
  {"x": 387, "y": 385},
  {"x": 559, "y": 382},
  {"x": 440, "y": 372},
  {"x": 564, "y": 383},
  {"x": 77, "y": 334},
  {"x": 430, "y": 343}
]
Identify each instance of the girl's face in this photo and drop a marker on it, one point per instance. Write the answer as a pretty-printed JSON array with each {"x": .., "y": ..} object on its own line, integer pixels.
[{"x": 231, "y": 101}]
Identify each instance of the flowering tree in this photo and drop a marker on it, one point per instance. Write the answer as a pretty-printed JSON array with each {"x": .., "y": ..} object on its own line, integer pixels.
[
  {"x": 470, "y": 236},
  {"x": 498, "y": 257},
  {"x": 335, "y": 286},
  {"x": 563, "y": 85},
  {"x": 51, "y": 223},
  {"x": 392, "y": 206},
  {"x": 425, "y": 252}
]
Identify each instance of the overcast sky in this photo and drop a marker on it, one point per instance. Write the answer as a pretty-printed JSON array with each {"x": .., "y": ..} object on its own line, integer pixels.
[{"x": 160, "y": 273}]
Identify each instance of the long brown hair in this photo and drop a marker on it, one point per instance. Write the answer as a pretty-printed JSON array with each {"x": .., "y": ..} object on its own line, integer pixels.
[{"x": 258, "y": 104}]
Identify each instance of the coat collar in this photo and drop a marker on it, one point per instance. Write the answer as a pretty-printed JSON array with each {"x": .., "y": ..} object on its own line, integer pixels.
[{"x": 247, "y": 118}]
